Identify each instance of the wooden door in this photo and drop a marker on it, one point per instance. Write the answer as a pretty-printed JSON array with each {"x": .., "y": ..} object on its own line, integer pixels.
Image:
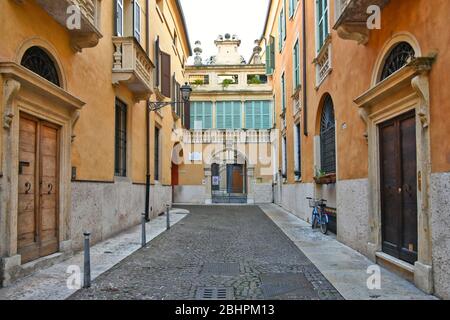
[
  {"x": 38, "y": 188},
  {"x": 399, "y": 187},
  {"x": 235, "y": 179},
  {"x": 175, "y": 175}
]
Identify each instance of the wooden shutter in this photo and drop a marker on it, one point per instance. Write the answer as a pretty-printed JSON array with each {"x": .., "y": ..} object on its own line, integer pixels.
[
  {"x": 269, "y": 70},
  {"x": 272, "y": 53},
  {"x": 187, "y": 115},
  {"x": 165, "y": 74},
  {"x": 220, "y": 115},
  {"x": 207, "y": 115},
  {"x": 237, "y": 114},
  {"x": 249, "y": 115},
  {"x": 157, "y": 63}
]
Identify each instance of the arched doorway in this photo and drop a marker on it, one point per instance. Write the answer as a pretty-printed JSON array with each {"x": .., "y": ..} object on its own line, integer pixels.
[
  {"x": 326, "y": 168},
  {"x": 229, "y": 177}
]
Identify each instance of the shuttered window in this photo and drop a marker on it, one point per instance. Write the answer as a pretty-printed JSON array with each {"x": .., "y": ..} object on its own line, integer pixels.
[
  {"x": 119, "y": 18},
  {"x": 328, "y": 137},
  {"x": 157, "y": 154},
  {"x": 270, "y": 56},
  {"x": 229, "y": 115},
  {"x": 281, "y": 29},
  {"x": 137, "y": 20},
  {"x": 157, "y": 63},
  {"x": 258, "y": 114},
  {"x": 165, "y": 74},
  {"x": 296, "y": 63},
  {"x": 120, "y": 163},
  {"x": 201, "y": 115},
  {"x": 292, "y": 7},
  {"x": 322, "y": 22},
  {"x": 283, "y": 93}
]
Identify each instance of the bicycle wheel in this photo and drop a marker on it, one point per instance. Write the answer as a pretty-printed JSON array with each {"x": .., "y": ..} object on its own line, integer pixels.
[
  {"x": 314, "y": 222},
  {"x": 324, "y": 227}
]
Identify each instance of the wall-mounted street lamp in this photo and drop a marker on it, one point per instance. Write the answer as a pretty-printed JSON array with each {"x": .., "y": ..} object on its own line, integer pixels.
[
  {"x": 186, "y": 91},
  {"x": 185, "y": 97}
]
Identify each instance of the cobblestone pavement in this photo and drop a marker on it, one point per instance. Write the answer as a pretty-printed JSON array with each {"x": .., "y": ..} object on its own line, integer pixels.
[{"x": 236, "y": 251}]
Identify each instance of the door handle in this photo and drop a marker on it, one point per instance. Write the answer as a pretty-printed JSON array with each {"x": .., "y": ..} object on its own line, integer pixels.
[{"x": 399, "y": 190}]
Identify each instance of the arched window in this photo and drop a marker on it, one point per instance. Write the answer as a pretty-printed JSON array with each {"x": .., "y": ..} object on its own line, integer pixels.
[
  {"x": 399, "y": 56},
  {"x": 328, "y": 138},
  {"x": 38, "y": 61}
]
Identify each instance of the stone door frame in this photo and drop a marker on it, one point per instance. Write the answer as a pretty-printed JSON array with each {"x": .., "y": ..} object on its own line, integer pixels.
[
  {"x": 26, "y": 92},
  {"x": 406, "y": 90}
]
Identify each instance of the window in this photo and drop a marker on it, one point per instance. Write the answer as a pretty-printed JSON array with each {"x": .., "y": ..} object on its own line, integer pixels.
[
  {"x": 296, "y": 63},
  {"x": 328, "y": 138},
  {"x": 399, "y": 56},
  {"x": 297, "y": 152},
  {"x": 283, "y": 93},
  {"x": 322, "y": 22},
  {"x": 228, "y": 79},
  {"x": 201, "y": 115},
  {"x": 258, "y": 114},
  {"x": 157, "y": 154},
  {"x": 137, "y": 20},
  {"x": 292, "y": 7},
  {"x": 284, "y": 158},
  {"x": 229, "y": 115},
  {"x": 165, "y": 74},
  {"x": 256, "y": 79},
  {"x": 37, "y": 60},
  {"x": 270, "y": 56},
  {"x": 121, "y": 139},
  {"x": 119, "y": 18},
  {"x": 281, "y": 29},
  {"x": 199, "y": 79}
]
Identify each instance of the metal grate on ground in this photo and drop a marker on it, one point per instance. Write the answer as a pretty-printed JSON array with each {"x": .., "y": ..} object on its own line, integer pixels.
[{"x": 213, "y": 293}]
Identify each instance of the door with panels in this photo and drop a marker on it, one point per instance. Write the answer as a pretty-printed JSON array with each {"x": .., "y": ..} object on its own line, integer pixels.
[{"x": 38, "y": 196}]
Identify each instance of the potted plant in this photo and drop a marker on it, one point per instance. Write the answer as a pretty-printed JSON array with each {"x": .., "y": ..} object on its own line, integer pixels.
[
  {"x": 226, "y": 83},
  {"x": 198, "y": 82},
  {"x": 321, "y": 177},
  {"x": 254, "y": 80}
]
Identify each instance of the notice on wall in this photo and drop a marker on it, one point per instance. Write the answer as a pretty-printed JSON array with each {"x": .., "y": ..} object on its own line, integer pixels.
[
  {"x": 195, "y": 156},
  {"x": 216, "y": 180}
]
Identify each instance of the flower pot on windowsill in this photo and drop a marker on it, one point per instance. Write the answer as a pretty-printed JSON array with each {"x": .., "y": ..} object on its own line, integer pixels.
[{"x": 326, "y": 179}]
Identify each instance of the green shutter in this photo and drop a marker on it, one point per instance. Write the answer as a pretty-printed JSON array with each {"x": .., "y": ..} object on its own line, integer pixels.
[
  {"x": 249, "y": 115},
  {"x": 280, "y": 32},
  {"x": 237, "y": 115},
  {"x": 258, "y": 114},
  {"x": 269, "y": 68},
  {"x": 266, "y": 115},
  {"x": 207, "y": 115},
  {"x": 220, "y": 115}
]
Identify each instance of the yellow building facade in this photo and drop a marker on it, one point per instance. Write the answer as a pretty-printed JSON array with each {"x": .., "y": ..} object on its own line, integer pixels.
[
  {"x": 364, "y": 128},
  {"x": 76, "y": 77}
]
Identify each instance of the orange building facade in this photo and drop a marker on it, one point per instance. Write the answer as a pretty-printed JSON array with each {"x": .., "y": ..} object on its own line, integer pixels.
[{"x": 363, "y": 125}]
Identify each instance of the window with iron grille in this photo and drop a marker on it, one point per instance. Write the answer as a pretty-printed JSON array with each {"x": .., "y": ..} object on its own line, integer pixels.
[
  {"x": 328, "y": 138},
  {"x": 157, "y": 159},
  {"x": 38, "y": 61},
  {"x": 399, "y": 56},
  {"x": 298, "y": 152},
  {"x": 121, "y": 139}
]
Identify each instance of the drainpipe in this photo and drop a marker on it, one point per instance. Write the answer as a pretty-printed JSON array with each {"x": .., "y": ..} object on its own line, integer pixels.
[
  {"x": 147, "y": 162},
  {"x": 305, "y": 100},
  {"x": 147, "y": 124}
]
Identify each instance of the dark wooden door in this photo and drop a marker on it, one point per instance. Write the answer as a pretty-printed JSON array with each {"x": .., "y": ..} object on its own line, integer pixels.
[
  {"x": 175, "y": 175},
  {"x": 399, "y": 187},
  {"x": 38, "y": 189}
]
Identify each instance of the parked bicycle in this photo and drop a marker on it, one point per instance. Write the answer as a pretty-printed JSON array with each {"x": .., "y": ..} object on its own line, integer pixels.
[{"x": 319, "y": 214}]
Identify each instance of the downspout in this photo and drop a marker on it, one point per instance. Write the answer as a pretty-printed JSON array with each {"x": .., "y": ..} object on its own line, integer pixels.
[
  {"x": 147, "y": 125},
  {"x": 305, "y": 100}
]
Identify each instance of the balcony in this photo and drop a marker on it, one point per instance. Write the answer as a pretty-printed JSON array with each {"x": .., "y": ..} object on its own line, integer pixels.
[
  {"x": 132, "y": 67},
  {"x": 323, "y": 62},
  {"x": 84, "y": 35},
  {"x": 352, "y": 17}
]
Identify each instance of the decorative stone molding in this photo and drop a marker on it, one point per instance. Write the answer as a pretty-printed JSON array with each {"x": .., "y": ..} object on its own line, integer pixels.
[
  {"x": 323, "y": 62},
  {"x": 88, "y": 35},
  {"x": 352, "y": 17},
  {"x": 132, "y": 67},
  {"x": 10, "y": 90}
]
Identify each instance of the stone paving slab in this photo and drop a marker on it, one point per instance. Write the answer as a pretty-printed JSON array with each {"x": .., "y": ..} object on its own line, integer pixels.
[
  {"x": 343, "y": 267},
  {"x": 50, "y": 283},
  {"x": 218, "y": 238}
]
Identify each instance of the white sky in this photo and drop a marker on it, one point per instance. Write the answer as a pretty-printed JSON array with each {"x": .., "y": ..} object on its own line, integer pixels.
[{"x": 206, "y": 19}]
